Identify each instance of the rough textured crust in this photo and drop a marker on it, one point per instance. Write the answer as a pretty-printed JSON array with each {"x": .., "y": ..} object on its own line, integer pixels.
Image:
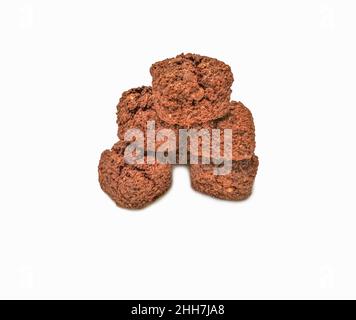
[
  {"x": 135, "y": 109},
  {"x": 191, "y": 89},
  {"x": 239, "y": 119},
  {"x": 234, "y": 186},
  {"x": 132, "y": 186}
]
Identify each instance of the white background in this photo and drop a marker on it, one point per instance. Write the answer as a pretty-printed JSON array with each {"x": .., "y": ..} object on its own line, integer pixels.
[{"x": 63, "y": 67}]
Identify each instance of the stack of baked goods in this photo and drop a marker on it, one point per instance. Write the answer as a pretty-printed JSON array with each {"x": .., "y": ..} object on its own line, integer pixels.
[{"x": 189, "y": 92}]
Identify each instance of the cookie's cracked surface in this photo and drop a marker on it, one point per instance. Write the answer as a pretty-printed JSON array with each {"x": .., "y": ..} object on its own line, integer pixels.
[
  {"x": 237, "y": 185},
  {"x": 190, "y": 89},
  {"x": 135, "y": 109},
  {"x": 239, "y": 119},
  {"x": 132, "y": 186}
]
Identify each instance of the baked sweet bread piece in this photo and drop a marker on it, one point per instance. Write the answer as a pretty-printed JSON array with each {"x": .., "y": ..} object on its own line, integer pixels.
[
  {"x": 190, "y": 89},
  {"x": 135, "y": 110},
  {"x": 240, "y": 121},
  {"x": 132, "y": 186},
  {"x": 236, "y": 185}
]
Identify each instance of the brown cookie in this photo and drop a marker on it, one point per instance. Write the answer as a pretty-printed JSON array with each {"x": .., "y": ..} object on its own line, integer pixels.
[
  {"x": 239, "y": 119},
  {"x": 135, "y": 110},
  {"x": 236, "y": 185},
  {"x": 191, "y": 89},
  {"x": 132, "y": 186}
]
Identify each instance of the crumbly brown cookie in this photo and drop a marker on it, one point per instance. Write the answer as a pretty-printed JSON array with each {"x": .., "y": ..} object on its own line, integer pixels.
[
  {"x": 237, "y": 185},
  {"x": 239, "y": 119},
  {"x": 135, "y": 110},
  {"x": 132, "y": 186},
  {"x": 191, "y": 89}
]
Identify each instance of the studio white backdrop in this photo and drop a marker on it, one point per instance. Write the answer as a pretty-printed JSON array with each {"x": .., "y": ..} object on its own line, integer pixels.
[{"x": 63, "y": 67}]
